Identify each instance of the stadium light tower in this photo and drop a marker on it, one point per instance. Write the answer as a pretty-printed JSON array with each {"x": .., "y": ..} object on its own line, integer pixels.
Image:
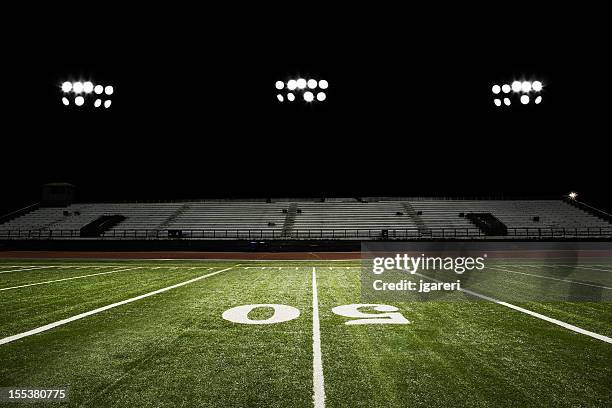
[
  {"x": 525, "y": 92},
  {"x": 573, "y": 195},
  {"x": 307, "y": 90},
  {"x": 79, "y": 93}
]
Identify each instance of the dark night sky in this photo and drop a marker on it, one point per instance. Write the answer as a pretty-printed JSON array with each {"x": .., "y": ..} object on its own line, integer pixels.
[{"x": 409, "y": 109}]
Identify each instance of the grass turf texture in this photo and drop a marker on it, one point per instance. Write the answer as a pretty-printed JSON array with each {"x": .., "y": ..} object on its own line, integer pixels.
[{"x": 174, "y": 348}]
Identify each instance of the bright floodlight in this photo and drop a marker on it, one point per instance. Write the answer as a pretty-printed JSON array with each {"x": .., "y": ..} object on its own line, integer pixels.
[
  {"x": 79, "y": 101},
  {"x": 65, "y": 101},
  {"x": 323, "y": 84},
  {"x": 109, "y": 90},
  {"x": 312, "y": 84},
  {"x": 497, "y": 102},
  {"x": 88, "y": 87},
  {"x": 507, "y": 101},
  {"x": 308, "y": 96},
  {"x": 77, "y": 87},
  {"x": 573, "y": 195},
  {"x": 99, "y": 89},
  {"x": 67, "y": 86},
  {"x": 536, "y": 86},
  {"x": 107, "y": 104},
  {"x": 516, "y": 86},
  {"x": 496, "y": 89},
  {"x": 290, "y": 97},
  {"x": 506, "y": 88},
  {"x": 292, "y": 84},
  {"x": 280, "y": 98},
  {"x": 526, "y": 86},
  {"x": 538, "y": 100},
  {"x": 321, "y": 96},
  {"x": 301, "y": 83},
  {"x": 524, "y": 99},
  {"x": 97, "y": 103},
  {"x": 279, "y": 85}
]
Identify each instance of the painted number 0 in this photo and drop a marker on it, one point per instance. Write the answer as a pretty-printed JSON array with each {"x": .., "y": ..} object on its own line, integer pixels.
[
  {"x": 282, "y": 313},
  {"x": 240, "y": 314}
]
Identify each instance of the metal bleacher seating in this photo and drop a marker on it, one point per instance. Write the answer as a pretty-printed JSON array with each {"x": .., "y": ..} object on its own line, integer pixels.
[
  {"x": 293, "y": 218},
  {"x": 513, "y": 213}
]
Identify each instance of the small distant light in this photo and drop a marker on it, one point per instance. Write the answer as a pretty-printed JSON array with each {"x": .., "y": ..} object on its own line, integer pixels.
[
  {"x": 497, "y": 102},
  {"x": 77, "y": 87},
  {"x": 279, "y": 85},
  {"x": 107, "y": 104},
  {"x": 496, "y": 89},
  {"x": 97, "y": 103},
  {"x": 280, "y": 98},
  {"x": 516, "y": 86},
  {"x": 573, "y": 195},
  {"x": 65, "y": 101},
  {"x": 526, "y": 86},
  {"x": 109, "y": 90},
  {"x": 290, "y": 97},
  {"x": 507, "y": 101},
  {"x": 79, "y": 101},
  {"x": 506, "y": 88},
  {"x": 323, "y": 84},
  {"x": 312, "y": 83},
  {"x": 524, "y": 99},
  {"x": 292, "y": 84},
  {"x": 538, "y": 100},
  {"x": 308, "y": 96},
  {"x": 67, "y": 87},
  {"x": 99, "y": 89},
  {"x": 88, "y": 87},
  {"x": 301, "y": 83},
  {"x": 321, "y": 96},
  {"x": 536, "y": 86}
]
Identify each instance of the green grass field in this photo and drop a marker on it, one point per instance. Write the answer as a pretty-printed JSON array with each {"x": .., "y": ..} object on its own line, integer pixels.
[{"x": 175, "y": 349}]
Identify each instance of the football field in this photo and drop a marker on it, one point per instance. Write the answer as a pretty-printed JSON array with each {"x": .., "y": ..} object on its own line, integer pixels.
[{"x": 122, "y": 333}]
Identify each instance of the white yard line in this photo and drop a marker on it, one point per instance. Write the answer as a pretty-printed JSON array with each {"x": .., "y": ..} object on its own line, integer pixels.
[
  {"x": 28, "y": 269},
  {"x": 67, "y": 279},
  {"x": 318, "y": 396},
  {"x": 551, "y": 278},
  {"x": 104, "y": 308},
  {"x": 534, "y": 314}
]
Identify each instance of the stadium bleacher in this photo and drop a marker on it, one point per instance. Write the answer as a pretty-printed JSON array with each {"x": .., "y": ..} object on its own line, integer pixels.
[{"x": 302, "y": 219}]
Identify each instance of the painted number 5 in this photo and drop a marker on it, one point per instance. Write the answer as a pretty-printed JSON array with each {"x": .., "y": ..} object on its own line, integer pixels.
[{"x": 388, "y": 314}]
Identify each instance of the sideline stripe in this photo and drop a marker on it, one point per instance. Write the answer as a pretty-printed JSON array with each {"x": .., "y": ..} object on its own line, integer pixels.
[
  {"x": 17, "y": 266},
  {"x": 594, "y": 269},
  {"x": 28, "y": 269},
  {"x": 104, "y": 308},
  {"x": 551, "y": 278},
  {"x": 573, "y": 267},
  {"x": 531, "y": 313},
  {"x": 67, "y": 279},
  {"x": 318, "y": 386}
]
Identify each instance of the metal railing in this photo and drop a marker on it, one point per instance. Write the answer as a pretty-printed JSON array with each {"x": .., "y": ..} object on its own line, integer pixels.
[{"x": 312, "y": 234}]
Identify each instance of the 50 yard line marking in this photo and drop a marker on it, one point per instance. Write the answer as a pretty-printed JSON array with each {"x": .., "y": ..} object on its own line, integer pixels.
[
  {"x": 318, "y": 396},
  {"x": 104, "y": 308}
]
